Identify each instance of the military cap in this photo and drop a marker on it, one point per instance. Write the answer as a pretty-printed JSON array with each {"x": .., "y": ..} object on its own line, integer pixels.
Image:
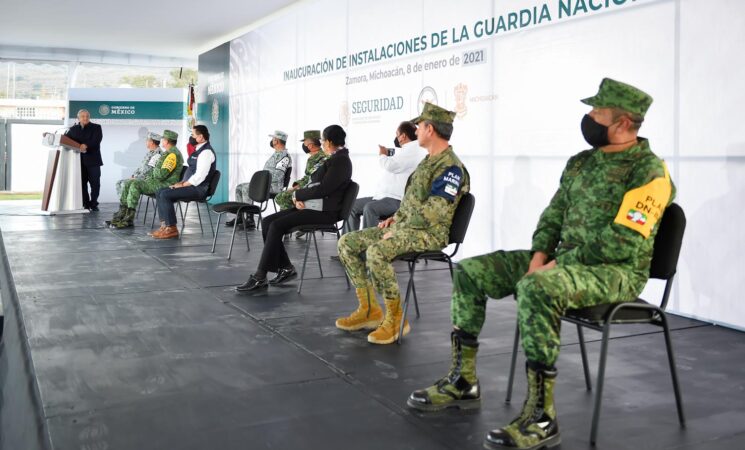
[
  {"x": 614, "y": 94},
  {"x": 434, "y": 113},
  {"x": 311, "y": 134},
  {"x": 281, "y": 135},
  {"x": 170, "y": 135},
  {"x": 154, "y": 136}
]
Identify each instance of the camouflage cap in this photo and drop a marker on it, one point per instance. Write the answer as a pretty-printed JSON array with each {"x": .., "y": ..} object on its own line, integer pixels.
[
  {"x": 614, "y": 94},
  {"x": 434, "y": 113},
  {"x": 171, "y": 135},
  {"x": 154, "y": 136},
  {"x": 311, "y": 134},
  {"x": 281, "y": 135}
]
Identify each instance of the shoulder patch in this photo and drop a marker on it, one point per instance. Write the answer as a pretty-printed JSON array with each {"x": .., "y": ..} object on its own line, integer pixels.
[
  {"x": 642, "y": 207},
  {"x": 169, "y": 163},
  {"x": 448, "y": 183},
  {"x": 283, "y": 163}
]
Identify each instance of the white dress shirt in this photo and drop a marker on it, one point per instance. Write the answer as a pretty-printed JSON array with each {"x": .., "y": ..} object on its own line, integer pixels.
[
  {"x": 204, "y": 162},
  {"x": 397, "y": 168}
]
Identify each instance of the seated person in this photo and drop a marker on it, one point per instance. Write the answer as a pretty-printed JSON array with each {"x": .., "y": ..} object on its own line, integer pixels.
[
  {"x": 195, "y": 185},
  {"x": 590, "y": 247},
  {"x": 390, "y": 190},
  {"x": 167, "y": 171},
  {"x": 421, "y": 223},
  {"x": 318, "y": 203},
  {"x": 277, "y": 164},
  {"x": 312, "y": 147}
]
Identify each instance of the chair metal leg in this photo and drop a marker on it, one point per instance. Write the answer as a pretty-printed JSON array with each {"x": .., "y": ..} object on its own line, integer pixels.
[
  {"x": 346, "y": 275},
  {"x": 305, "y": 262},
  {"x": 209, "y": 216},
  {"x": 318, "y": 256},
  {"x": 245, "y": 233},
  {"x": 405, "y": 309},
  {"x": 155, "y": 213},
  {"x": 139, "y": 203},
  {"x": 199, "y": 214},
  {"x": 599, "y": 384},
  {"x": 450, "y": 266},
  {"x": 184, "y": 212},
  {"x": 412, "y": 270},
  {"x": 147, "y": 206},
  {"x": 583, "y": 351},
  {"x": 673, "y": 371},
  {"x": 513, "y": 363},
  {"x": 232, "y": 238},
  {"x": 214, "y": 238}
]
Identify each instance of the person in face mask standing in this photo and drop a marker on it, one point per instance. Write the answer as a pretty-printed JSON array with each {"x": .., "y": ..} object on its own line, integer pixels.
[
  {"x": 277, "y": 164},
  {"x": 593, "y": 245}
]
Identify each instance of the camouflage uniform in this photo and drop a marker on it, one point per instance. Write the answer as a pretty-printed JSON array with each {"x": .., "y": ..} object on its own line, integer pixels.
[
  {"x": 146, "y": 165},
  {"x": 284, "y": 198},
  {"x": 421, "y": 223},
  {"x": 279, "y": 163},
  {"x": 166, "y": 173}
]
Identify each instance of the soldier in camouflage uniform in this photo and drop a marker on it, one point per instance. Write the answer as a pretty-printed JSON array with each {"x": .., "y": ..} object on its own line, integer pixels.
[
  {"x": 166, "y": 172},
  {"x": 312, "y": 146},
  {"x": 421, "y": 223},
  {"x": 593, "y": 245},
  {"x": 279, "y": 163},
  {"x": 152, "y": 142},
  {"x": 154, "y": 152}
]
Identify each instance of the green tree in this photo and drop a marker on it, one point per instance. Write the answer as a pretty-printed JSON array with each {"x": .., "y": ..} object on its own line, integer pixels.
[
  {"x": 187, "y": 76},
  {"x": 140, "y": 81}
]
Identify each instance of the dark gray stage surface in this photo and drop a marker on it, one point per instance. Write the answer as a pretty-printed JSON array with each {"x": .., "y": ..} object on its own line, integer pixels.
[{"x": 134, "y": 343}]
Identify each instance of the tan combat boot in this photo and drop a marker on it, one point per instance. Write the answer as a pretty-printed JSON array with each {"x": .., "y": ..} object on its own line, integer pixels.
[
  {"x": 387, "y": 332},
  {"x": 367, "y": 316}
]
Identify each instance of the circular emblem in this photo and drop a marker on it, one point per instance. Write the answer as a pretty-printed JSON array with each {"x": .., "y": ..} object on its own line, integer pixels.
[
  {"x": 104, "y": 110},
  {"x": 215, "y": 111},
  {"x": 428, "y": 95},
  {"x": 344, "y": 114}
]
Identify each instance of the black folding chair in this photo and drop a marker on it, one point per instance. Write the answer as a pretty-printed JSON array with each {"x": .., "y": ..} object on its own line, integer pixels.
[
  {"x": 286, "y": 182},
  {"x": 151, "y": 197},
  {"x": 350, "y": 195},
  {"x": 600, "y": 317},
  {"x": 258, "y": 191},
  {"x": 458, "y": 228},
  {"x": 206, "y": 201}
]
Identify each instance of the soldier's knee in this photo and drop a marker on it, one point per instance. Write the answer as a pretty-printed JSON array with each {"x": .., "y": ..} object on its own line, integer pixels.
[
  {"x": 343, "y": 244},
  {"x": 374, "y": 255}
]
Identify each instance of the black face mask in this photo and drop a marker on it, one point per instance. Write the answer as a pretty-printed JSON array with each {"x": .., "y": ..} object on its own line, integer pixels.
[
  {"x": 192, "y": 140},
  {"x": 271, "y": 143},
  {"x": 396, "y": 143},
  {"x": 306, "y": 149},
  {"x": 594, "y": 133}
]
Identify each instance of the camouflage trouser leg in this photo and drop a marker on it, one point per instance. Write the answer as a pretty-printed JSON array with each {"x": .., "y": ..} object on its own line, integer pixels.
[
  {"x": 122, "y": 187},
  {"x": 241, "y": 193},
  {"x": 140, "y": 187},
  {"x": 543, "y": 297},
  {"x": 492, "y": 275},
  {"x": 284, "y": 200},
  {"x": 379, "y": 253}
]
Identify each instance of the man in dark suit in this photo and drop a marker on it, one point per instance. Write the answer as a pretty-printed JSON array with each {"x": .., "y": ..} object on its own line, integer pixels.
[{"x": 89, "y": 135}]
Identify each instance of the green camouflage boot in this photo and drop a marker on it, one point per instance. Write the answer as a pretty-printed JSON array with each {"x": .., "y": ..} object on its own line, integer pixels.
[
  {"x": 536, "y": 427},
  {"x": 117, "y": 215},
  {"x": 127, "y": 220},
  {"x": 460, "y": 388}
]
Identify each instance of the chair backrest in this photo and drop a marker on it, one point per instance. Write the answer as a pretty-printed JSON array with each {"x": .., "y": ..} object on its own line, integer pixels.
[
  {"x": 348, "y": 201},
  {"x": 260, "y": 185},
  {"x": 667, "y": 243},
  {"x": 288, "y": 175},
  {"x": 462, "y": 218},
  {"x": 183, "y": 172},
  {"x": 213, "y": 184}
]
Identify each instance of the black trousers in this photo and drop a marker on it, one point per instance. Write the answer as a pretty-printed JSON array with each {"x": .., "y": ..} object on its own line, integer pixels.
[
  {"x": 167, "y": 197},
  {"x": 274, "y": 227},
  {"x": 92, "y": 175}
]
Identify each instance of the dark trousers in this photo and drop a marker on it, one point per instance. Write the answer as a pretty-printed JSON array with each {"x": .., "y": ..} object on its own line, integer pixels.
[
  {"x": 92, "y": 175},
  {"x": 167, "y": 197},
  {"x": 274, "y": 227}
]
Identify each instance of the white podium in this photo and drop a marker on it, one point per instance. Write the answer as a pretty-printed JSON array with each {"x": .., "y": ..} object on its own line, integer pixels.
[{"x": 63, "y": 192}]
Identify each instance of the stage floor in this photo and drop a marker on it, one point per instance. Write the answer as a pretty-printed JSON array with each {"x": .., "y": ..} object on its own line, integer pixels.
[{"x": 144, "y": 344}]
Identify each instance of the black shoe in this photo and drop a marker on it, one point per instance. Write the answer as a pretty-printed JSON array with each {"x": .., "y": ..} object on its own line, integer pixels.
[
  {"x": 230, "y": 223},
  {"x": 250, "y": 225},
  {"x": 94, "y": 208},
  {"x": 282, "y": 275},
  {"x": 334, "y": 258},
  {"x": 253, "y": 284},
  {"x": 300, "y": 234}
]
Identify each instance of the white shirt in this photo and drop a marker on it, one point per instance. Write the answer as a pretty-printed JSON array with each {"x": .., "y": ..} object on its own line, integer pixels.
[
  {"x": 397, "y": 168},
  {"x": 204, "y": 162}
]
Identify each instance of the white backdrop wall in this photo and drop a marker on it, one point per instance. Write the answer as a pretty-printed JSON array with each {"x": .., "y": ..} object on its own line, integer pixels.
[{"x": 519, "y": 110}]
